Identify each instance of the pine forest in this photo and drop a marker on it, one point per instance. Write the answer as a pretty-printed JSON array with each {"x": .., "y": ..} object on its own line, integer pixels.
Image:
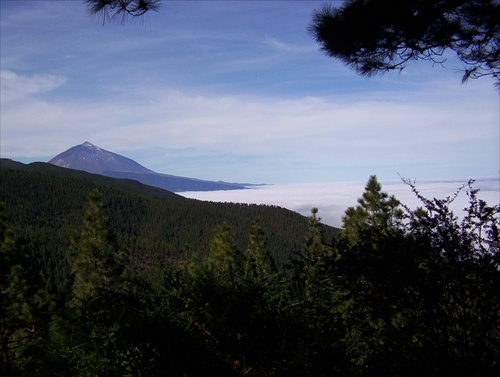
[{"x": 109, "y": 277}]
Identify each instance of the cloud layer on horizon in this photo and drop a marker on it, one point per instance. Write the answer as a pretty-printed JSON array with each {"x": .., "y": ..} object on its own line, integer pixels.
[{"x": 332, "y": 199}]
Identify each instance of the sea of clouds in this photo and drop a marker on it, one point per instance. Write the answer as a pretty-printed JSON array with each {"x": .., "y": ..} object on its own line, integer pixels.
[{"x": 332, "y": 199}]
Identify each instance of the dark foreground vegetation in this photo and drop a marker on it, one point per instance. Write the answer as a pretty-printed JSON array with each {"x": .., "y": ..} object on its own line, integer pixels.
[{"x": 103, "y": 277}]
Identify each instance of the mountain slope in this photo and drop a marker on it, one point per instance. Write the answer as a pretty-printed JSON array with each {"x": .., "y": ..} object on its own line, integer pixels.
[
  {"x": 44, "y": 205},
  {"x": 174, "y": 183},
  {"x": 92, "y": 159}
]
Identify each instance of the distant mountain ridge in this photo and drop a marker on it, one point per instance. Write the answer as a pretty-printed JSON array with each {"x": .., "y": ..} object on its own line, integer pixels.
[{"x": 93, "y": 159}]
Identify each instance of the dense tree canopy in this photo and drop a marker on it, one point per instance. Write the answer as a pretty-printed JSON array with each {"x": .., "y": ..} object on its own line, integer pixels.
[
  {"x": 377, "y": 36},
  {"x": 399, "y": 292}
]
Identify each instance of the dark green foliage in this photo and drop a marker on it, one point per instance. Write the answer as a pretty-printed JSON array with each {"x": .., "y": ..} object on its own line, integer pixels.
[
  {"x": 25, "y": 305},
  {"x": 421, "y": 298},
  {"x": 376, "y": 214},
  {"x": 232, "y": 304},
  {"x": 44, "y": 204},
  {"x": 316, "y": 307},
  {"x": 460, "y": 321},
  {"x": 97, "y": 263},
  {"x": 258, "y": 263},
  {"x": 399, "y": 293}
]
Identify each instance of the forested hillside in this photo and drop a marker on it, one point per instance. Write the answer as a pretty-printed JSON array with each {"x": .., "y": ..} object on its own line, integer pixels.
[
  {"x": 44, "y": 205},
  {"x": 108, "y": 277}
]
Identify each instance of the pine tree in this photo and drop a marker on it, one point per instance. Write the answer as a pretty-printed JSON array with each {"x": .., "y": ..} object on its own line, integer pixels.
[
  {"x": 92, "y": 333},
  {"x": 313, "y": 258},
  {"x": 25, "y": 306},
  {"x": 96, "y": 261},
  {"x": 372, "y": 267},
  {"x": 376, "y": 214},
  {"x": 6, "y": 247},
  {"x": 259, "y": 265},
  {"x": 224, "y": 260}
]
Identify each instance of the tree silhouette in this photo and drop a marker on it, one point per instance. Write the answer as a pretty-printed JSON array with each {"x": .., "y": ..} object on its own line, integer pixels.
[
  {"x": 121, "y": 9},
  {"x": 377, "y": 36}
]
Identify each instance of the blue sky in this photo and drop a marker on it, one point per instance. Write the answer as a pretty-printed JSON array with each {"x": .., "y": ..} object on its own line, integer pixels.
[{"x": 235, "y": 91}]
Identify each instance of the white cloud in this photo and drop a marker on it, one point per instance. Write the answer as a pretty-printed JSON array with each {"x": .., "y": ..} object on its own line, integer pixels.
[
  {"x": 330, "y": 133},
  {"x": 15, "y": 87},
  {"x": 285, "y": 47},
  {"x": 332, "y": 199}
]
